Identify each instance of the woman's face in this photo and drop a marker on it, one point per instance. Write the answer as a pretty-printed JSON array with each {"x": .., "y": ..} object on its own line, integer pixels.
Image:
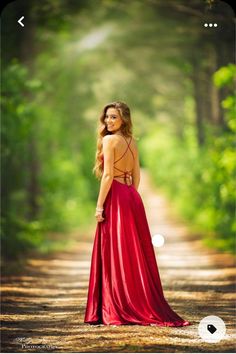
[{"x": 112, "y": 120}]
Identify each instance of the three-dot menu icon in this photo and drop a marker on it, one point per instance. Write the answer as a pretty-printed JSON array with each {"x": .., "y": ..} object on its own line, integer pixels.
[{"x": 210, "y": 24}]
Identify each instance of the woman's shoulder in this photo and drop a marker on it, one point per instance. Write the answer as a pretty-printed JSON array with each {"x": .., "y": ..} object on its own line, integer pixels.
[
  {"x": 116, "y": 138},
  {"x": 113, "y": 139},
  {"x": 109, "y": 140},
  {"x": 108, "y": 137}
]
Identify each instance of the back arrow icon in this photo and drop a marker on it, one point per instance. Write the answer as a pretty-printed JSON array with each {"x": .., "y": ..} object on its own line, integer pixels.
[{"x": 19, "y": 21}]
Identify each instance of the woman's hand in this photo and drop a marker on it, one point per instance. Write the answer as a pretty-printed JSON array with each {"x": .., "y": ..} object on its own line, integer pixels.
[{"x": 98, "y": 214}]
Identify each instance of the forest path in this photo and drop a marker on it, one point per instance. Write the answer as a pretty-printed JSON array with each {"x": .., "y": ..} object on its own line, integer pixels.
[{"x": 43, "y": 304}]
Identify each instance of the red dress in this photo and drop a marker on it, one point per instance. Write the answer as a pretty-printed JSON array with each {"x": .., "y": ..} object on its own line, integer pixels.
[{"x": 124, "y": 284}]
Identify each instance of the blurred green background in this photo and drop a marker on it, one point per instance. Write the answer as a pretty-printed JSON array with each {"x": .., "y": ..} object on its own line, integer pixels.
[{"x": 72, "y": 58}]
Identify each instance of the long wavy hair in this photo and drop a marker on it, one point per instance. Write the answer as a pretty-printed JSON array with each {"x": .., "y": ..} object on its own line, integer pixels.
[{"x": 126, "y": 130}]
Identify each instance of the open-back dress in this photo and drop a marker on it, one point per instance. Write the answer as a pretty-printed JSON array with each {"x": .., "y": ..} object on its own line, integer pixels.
[{"x": 124, "y": 284}]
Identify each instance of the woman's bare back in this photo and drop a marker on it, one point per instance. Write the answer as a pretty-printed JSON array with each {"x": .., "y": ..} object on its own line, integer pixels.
[{"x": 127, "y": 148}]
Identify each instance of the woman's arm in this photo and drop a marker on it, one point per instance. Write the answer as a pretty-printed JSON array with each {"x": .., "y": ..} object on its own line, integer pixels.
[{"x": 107, "y": 177}]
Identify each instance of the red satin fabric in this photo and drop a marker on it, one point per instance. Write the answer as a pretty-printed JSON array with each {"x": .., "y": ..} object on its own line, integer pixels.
[{"x": 124, "y": 284}]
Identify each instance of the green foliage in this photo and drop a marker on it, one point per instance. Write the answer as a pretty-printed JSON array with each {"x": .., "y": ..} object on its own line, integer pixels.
[
  {"x": 62, "y": 194},
  {"x": 225, "y": 76},
  {"x": 65, "y": 201},
  {"x": 200, "y": 181},
  {"x": 19, "y": 113}
]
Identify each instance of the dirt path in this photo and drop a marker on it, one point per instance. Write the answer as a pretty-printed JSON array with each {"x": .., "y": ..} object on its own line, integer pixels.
[{"x": 43, "y": 305}]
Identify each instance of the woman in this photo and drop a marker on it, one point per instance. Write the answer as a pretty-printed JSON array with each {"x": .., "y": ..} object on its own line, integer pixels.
[{"x": 124, "y": 284}]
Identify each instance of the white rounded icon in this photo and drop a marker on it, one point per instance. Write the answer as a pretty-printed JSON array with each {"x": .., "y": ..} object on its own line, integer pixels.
[
  {"x": 158, "y": 240},
  {"x": 205, "y": 24},
  {"x": 211, "y": 329}
]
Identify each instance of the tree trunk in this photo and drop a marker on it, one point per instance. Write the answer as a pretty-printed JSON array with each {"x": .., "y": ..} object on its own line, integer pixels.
[
  {"x": 199, "y": 111},
  {"x": 33, "y": 189}
]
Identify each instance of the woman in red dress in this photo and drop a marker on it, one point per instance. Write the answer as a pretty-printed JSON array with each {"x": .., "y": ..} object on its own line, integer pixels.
[{"x": 124, "y": 284}]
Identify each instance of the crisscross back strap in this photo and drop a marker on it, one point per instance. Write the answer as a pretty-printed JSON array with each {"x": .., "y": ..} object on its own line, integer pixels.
[
  {"x": 125, "y": 174},
  {"x": 128, "y": 147}
]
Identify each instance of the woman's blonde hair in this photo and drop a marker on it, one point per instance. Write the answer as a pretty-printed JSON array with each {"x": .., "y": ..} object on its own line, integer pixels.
[{"x": 126, "y": 130}]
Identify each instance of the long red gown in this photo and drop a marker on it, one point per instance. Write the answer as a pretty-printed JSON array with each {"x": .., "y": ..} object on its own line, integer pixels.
[{"x": 124, "y": 284}]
